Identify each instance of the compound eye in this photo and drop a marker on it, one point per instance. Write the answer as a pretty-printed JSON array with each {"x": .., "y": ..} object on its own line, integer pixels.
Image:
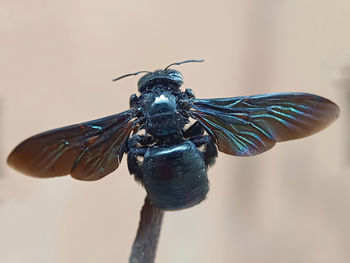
[{"x": 174, "y": 74}]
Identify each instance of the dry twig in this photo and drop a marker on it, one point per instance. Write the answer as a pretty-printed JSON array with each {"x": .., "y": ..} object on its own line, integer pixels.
[{"x": 146, "y": 241}]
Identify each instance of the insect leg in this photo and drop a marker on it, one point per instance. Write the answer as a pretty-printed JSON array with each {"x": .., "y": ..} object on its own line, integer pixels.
[
  {"x": 196, "y": 129},
  {"x": 139, "y": 140},
  {"x": 136, "y": 149},
  {"x": 134, "y": 164},
  {"x": 210, "y": 151}
]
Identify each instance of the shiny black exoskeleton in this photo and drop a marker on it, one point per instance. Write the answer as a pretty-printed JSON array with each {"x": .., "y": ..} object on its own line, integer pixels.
[
  {"x": 172, "y": 156},
  {"x": 173, "y": 169}
]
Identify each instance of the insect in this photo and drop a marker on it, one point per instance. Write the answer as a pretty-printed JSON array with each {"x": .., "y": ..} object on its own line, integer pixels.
[{"x": 166, "y": 152}]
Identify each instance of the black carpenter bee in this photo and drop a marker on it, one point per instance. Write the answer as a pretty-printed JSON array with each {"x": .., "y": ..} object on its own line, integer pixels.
[{"x": 170, "y": 159}]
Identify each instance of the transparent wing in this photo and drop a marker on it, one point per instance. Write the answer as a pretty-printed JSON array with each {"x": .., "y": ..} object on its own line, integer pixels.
[
  {"x": 246, "y": 126},
  {"x": 87, "y": 151}
]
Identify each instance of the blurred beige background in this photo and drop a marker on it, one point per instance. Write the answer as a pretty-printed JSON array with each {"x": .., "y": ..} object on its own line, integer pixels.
[{"x": 58, "y": 58}]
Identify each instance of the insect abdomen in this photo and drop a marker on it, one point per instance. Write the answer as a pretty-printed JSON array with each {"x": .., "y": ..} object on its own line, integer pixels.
[{"x": 175, "y": 177}]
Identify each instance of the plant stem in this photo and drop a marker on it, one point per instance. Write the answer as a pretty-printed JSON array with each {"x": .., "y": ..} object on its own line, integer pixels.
[{"x": 146, "y": 241}]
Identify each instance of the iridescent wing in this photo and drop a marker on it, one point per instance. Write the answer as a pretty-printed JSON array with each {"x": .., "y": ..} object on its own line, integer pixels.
[
  {"x": 87, "y": 151},
  {"x": 246, "y": 126}
]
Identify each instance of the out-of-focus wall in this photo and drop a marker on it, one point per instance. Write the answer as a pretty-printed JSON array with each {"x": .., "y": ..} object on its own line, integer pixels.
[{"x": 290, "y": 204}]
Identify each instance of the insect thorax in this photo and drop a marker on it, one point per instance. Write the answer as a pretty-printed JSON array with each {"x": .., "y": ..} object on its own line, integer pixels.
[{"x": 162, "y": 113}]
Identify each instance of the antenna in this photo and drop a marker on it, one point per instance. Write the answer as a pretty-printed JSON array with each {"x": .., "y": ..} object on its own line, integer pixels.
[
  {"x": 131, "y": 74},
  {"x": 145, "y": 71},
  {"x": 183, "y": 62}
]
